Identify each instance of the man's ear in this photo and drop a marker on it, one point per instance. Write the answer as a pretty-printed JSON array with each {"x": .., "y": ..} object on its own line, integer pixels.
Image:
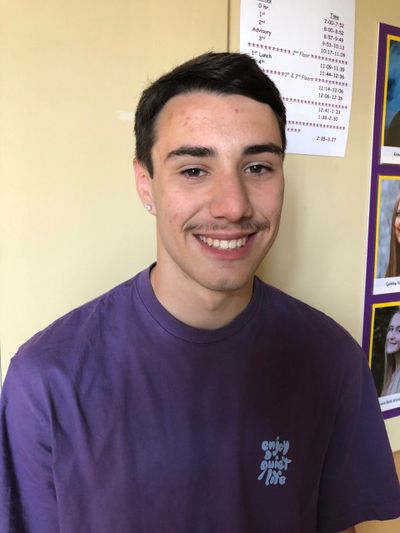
[{"x": 144, "y": 185}]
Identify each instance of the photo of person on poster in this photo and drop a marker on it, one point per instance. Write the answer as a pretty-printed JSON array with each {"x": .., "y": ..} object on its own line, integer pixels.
[
  {"x": 391, "y": 104},
  {"x": 387, "y": 257},
  {"x": 393, "y": 268},
  {"x": 392, "y": 101},
  {"x": 391, "y": 380},
  {"x": 385, "y": 353}
]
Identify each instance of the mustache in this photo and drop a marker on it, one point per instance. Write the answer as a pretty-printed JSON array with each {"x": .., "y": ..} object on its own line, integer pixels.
[{"x": 251, "y": 226}]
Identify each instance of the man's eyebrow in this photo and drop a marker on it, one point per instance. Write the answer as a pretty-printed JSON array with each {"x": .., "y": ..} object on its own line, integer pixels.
[
  {"x": 261, "y": 148},
  {"x": 195, "y": 151},
  {"x": 206, "y": 151}
]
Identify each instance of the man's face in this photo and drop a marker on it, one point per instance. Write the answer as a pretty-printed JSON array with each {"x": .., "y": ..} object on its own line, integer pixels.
[
  {"x": 393, "y": 335},
  {"x": 217, "y": 189}
]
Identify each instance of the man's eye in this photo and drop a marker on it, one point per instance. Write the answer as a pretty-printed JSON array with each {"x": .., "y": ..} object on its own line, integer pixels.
[
  {"x": 194, "y": 172},
  {"x": 257, "y": 169}
]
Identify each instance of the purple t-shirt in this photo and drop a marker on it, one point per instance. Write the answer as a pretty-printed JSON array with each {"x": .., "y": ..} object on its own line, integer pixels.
[{"x": 118, "y": 418}]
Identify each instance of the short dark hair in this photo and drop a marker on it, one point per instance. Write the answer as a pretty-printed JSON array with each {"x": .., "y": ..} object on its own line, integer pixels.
[{"x": 217, "y": 72}]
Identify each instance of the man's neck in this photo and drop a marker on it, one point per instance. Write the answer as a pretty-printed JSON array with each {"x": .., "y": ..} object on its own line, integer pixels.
[{"x": 198, "y": 306}]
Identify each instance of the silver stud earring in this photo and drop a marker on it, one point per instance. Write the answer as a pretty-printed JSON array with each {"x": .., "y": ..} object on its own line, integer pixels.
[{"x": 148, "y": 207}]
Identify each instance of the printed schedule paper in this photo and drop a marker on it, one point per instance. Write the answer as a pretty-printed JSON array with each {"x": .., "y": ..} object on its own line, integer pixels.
[{"x": 307, "y": 49}]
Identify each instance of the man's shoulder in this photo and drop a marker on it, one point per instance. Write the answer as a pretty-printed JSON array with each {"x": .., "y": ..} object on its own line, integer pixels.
[
  {"x": 78, "y": 329},
  {"x": 283, "y": 304},
  {"x": 306, "y": 325}
]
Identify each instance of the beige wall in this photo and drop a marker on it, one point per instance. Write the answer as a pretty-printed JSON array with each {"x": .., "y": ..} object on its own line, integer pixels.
[{"x": 71, "y": 226}]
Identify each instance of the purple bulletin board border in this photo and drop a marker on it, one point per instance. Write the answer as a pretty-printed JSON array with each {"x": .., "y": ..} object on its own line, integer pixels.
[{"x": 377, "y": 169}]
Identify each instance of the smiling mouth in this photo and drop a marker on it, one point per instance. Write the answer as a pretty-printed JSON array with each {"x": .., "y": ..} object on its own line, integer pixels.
[
  {"x": 223, "y": 244},
  {"x": 392, "y": 347}
]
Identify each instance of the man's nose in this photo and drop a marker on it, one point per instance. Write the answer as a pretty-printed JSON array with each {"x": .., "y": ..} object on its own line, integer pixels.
[{"x": 230, "y": 198}]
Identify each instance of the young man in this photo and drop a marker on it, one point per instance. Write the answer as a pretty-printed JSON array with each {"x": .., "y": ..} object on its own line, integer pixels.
[{"x": 194, "y": 397}]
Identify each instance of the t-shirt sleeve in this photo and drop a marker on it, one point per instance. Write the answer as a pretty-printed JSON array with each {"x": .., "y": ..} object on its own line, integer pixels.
[
  {"x": 359, "y": 481},
  {"x": 27, "y": 493}
]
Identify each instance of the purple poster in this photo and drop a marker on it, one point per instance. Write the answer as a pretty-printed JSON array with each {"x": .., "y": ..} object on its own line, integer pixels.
[{"x": 381, "y": 332}]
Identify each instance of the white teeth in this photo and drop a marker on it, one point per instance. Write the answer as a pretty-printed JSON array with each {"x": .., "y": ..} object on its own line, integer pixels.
[{"x": 220, "y": 244}]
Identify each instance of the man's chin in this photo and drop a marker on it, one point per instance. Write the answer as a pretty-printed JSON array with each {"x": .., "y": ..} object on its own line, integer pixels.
[{"x": 229, "y": 284}]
